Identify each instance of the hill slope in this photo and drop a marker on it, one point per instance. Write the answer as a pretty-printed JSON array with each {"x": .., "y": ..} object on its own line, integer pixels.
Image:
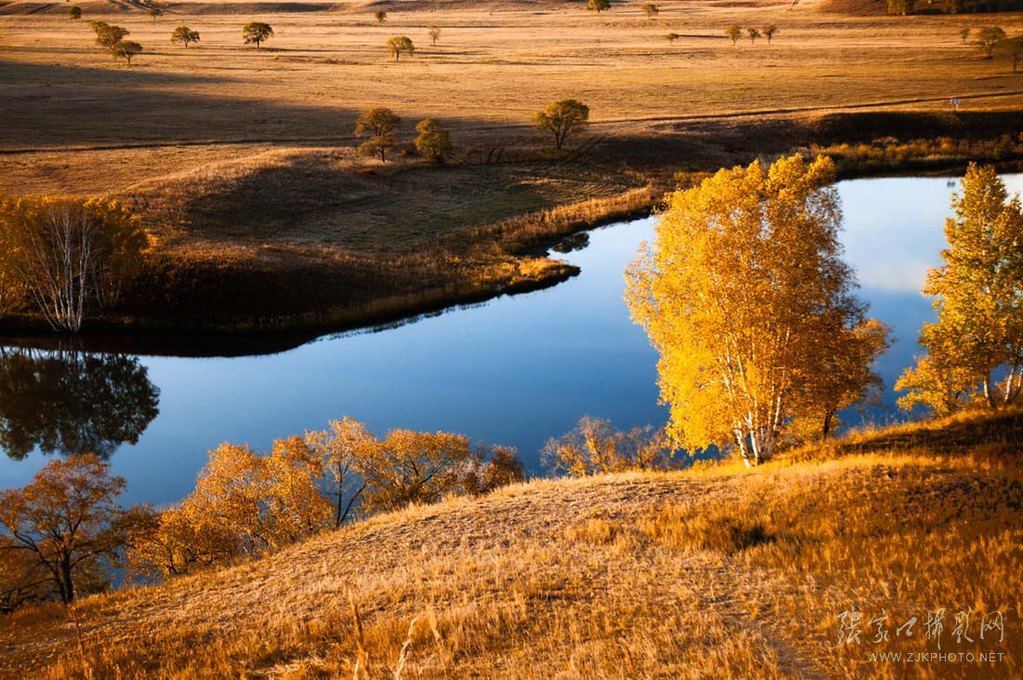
[{"x": 719, "y": 573}]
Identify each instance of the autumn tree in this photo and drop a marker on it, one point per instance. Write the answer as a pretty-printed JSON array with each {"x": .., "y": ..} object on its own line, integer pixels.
[
  {"x": 595, "y": 447},
  {"x": 401, "y": 44},
  {"x": 70, "y": 253},
  {"x": 380, "y": 15},
  {"x": 650, "y": 10},
  {"x": 988, "y": 38},
  {"x": 433, "y": 141},
  {"x": 126, "y": 49},
  {"x": 847, "y": 378},
  {"x": 341, "y": 448},
  {"x": 155, "y": 13},
  {"x": 733, "y": 32},
  {"x": 975, "y": 348},
  {"x": 598, "y": 6},
  {"x": 256, "y": 33},
  {"x": 434, "y": 33},
  {"x": 753, "y": 33},
  {"x": 561, "y": 118},
  {"x": 75, "y": 13},
  {"x": 487, "y": 469},
  {"x": 184, "y": 35},
  {"x": 769, "y": 32},
  {"x": 901, "y": 7},
  {"x": 244, "y": 504},
  {"x": 743, "y": 294},
  {"x": 964, "y": 34},
  {"x": 381, "y": 124},
  {"x": 412, "y": 467},
  {"x": 64, "y": 525},
  {"x": 1014, "y": 48}
]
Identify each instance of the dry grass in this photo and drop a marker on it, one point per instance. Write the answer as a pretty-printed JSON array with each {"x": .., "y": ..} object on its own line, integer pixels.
[
  {"x": 242, "y": 161},
  {"x": 709, "y": 573}
]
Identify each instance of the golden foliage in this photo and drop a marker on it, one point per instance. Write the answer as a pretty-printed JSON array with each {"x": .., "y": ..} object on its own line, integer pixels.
[
  {"x": 975, "y": 349},
  {"x": 750, "y": 306}
]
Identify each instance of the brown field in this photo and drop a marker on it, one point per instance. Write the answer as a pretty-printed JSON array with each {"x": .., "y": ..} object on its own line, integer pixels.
[
  {"x": 715, "y": 572},
  {"x": 241, "y": 160}
]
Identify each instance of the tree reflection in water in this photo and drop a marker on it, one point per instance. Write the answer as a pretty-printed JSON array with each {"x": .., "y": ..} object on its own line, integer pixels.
[{"x": 68, "y": 401}]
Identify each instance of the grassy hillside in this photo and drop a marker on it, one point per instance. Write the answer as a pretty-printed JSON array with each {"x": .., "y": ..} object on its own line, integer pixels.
[{"x": 719, "y": 572}]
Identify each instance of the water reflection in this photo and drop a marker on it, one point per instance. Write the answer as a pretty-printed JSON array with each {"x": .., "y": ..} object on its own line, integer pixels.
[{"x": 68, "y": 401}]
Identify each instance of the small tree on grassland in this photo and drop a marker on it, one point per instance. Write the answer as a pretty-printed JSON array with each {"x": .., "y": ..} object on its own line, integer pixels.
[
  {"x": 434, "y": 33},
  {"x": 964, "y": 34},
  {"x": 64, "y": 526},
  {"x": 380, "y": 15},
  {"x": 69, "y": 253},
  {"x": 126, "y": 49},
  {"x": 433, "y": 141},
  {"x": 107, "y": 36},
  {"x": 184, "y": 35},
  {"x": 598, "y": 6},
  {"x": 746, "y": 299},
  {"x": 754, "y": 33},
  {"x": 988, "y": 39},
  {"x": 155, "y": 12},
  {"x": 381, "y": 125},
  {"x": 256, "y": 32},
  {"x": 75, "y": 13},
  {"x": 650, "y": 10},
  {"x": 769, "y": 32},
  {"x": 401, "y": 44},
  {"x": 901, "y": 7},
  {"x": 561, "y": 118},
  {"x": 733, "y": 32}
]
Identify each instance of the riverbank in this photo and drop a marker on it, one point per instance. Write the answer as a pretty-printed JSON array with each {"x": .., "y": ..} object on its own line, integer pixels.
[{"x": 716, "y": 571}]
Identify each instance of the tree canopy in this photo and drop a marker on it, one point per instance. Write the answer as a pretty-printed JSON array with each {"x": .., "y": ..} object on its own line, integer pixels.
[
  {"x": 381, "y": 124},
  {"x": 433, "y": 141},
  {"x": 184, "y": 35},
  {"x": 746, "y": 298},
  {"x": 399, "y": 45}
]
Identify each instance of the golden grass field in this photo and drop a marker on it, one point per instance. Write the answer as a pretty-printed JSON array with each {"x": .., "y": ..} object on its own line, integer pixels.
[
  {"x": 716, "y": 572},
  {"x": 241, "y": 161}
]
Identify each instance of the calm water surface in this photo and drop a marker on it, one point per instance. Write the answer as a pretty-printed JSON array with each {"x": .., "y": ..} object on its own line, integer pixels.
[{"x": 514, "y": 371}]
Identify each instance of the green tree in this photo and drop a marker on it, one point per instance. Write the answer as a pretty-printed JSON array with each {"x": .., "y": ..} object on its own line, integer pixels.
[
  {"x": 561, "y": 118},
  {"x": 733, "y": 32},
  {"x": 75, "y": 13},
  {"x": 184, "y": 35},
  {"x": 769, "y": 32},
  {"x": 380, "y": 15},
  {"x": 257, "y": 32},
  {"x": 745, "y": 297},
  {"x": 598, "y": 6},
  {"x": 126, "y": 49},
  {"x": 400, "y": 44},
  {"x": 433, "y": 141},
  {"x": 381, "y": 124},
  {"x": 70, "y": 253},
  {"x": 988, "y": 39},
  {"x": 65, "y": 524},
  {"x": 975, "y": 348},
  {"x": 434, "y": 33}
]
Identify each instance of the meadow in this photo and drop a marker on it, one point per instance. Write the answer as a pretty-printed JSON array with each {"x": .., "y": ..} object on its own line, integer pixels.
[{"x": 242, "y": 163}]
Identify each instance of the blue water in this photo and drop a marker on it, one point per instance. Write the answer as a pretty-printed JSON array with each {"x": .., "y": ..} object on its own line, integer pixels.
[{"x": 513, "y": 371}]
